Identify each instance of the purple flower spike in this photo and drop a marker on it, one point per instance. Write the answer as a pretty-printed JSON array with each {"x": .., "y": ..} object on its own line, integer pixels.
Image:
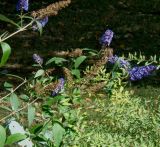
[
  {"x": 42, "y": 22},
  {"x": 137, "y": 73},
  {"x": 22, "y": 5},
  {"x": 106, "y": 38},
  {"x": 37, "y": 59},
  {"x": 123, "y": 63},
  {"x": 59, "y": 87}
]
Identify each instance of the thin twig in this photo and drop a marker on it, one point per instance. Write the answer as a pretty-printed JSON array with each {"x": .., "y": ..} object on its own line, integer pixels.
[
  {"x": 20, "y": 30},
  {"x": 14, "y": 112},
  {"x": 13, "y": 90}
]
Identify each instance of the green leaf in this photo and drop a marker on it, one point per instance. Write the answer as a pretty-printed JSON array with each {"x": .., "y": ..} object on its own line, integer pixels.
[
  {"x": 8, "y": 85},
  {"x": 76, "y": 73},
  {"x": 58, "y": 132},
  {"x": 78, "y": 61},
  {"x": 15, "y": 138},
  {"x": 2, "y": 136},
  {"x": 31, "y": 114},
  {"x": 92, "y": 52},
  {"x": 36, "y": 129},
  {"x": 5, "y": 108},
  {"x": 155, "y": 58},
  {"x": 40, "y": 139},
  {"x": 5, "y": 19},
  {"x": 24, "y": 97},
  {"x": 6, "y": 50},
  {"x": 56, "y": 60},
  {"x": 14, "y": 102},
  {"x": 39, "y": 73}
]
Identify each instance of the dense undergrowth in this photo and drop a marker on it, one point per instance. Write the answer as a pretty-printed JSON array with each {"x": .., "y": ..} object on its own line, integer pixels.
[
  {"x": 80, "y": 97},
  {"x": 83, "y": 111}
]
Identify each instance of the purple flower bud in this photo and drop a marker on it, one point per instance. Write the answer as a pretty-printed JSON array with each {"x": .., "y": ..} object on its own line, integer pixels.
[
  {"x": 113, "y": 59},
  {"x": 59, "y": 87},
  {"x": 123, "y": 63},
  {"x": 22, "y": 5},
  {"x": 37, "y": 59},
  {"x": 137, "y": 73},
  {"x": 42, "y": 22},
  {"x": 106, "y": 38}
]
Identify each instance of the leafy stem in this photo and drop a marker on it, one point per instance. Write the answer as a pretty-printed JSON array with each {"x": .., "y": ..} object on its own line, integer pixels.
[
  {"x": 18, "y": 31},
  {"x": 14, "y": 90}
]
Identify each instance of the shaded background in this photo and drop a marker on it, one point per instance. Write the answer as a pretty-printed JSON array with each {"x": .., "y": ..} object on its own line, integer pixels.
[{"x": 136, "y": 24}]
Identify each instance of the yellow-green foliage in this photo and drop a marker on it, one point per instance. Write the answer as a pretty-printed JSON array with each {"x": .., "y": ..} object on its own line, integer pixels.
[{"x": 122, "y": 120}]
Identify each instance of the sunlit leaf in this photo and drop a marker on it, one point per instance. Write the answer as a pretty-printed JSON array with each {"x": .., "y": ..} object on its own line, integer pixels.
[
  {"x": 6, "y": 50},
  {"x": 58, "y": 132},
  {"x": 56, "y": 60},
  {"x": 31, "y": 114},
  {"x": 76, "y": 72},
  {"x": 14, "y": 102},
  {"x": 8, "y": 86},
  {"x": 2, "y": 136},
  {"x": 15, "y": 138},
  {"x": 155, "y": 58},
  {"x": 24, "y": 97},
  {"x": 79, "y": 61},
  {"x": 39, "y": 73}
]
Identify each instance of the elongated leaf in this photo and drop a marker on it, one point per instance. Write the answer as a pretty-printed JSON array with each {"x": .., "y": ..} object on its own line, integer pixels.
[
  {"x": 78, "y": 61},
  {"x": 31, "y": 114},
  {"x": 155, "y": 58},
  {"x": 15, "y": 138},
  {"x": 58, "y": 132},
  {"x": 39, "y": 73},
  {"x": 5, "y": 108},
  {"x": 14, "y": 102},
  {"x": 24, "y": 97},
  {"x": 8, "y": 85},
  {"x": 5, "y": 19},
  {"x": 56, "y": 60},
  {"x": 2, "y": 136},
  {"x": 76, "y": 73},
  {"x": 36, "y": 129},
  {"x": 6, "y": 50}
]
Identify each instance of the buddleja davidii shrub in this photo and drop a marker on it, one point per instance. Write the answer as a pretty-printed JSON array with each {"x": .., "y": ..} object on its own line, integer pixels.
[{"x": 34, "y": 20}]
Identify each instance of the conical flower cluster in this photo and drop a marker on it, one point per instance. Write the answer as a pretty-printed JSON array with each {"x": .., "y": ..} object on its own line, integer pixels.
[
  {"x": 137, "y": 73},
  {"x": 106, "y": 38},
  {"x": 51, "y": 10},
  {"x": 22, "y": 5},
  {"x": 122, "y": 63},
  {"x": 42, "y": 22},
  {"x": 59, "y": 87},
  {"x": 37, "y": 59}
]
